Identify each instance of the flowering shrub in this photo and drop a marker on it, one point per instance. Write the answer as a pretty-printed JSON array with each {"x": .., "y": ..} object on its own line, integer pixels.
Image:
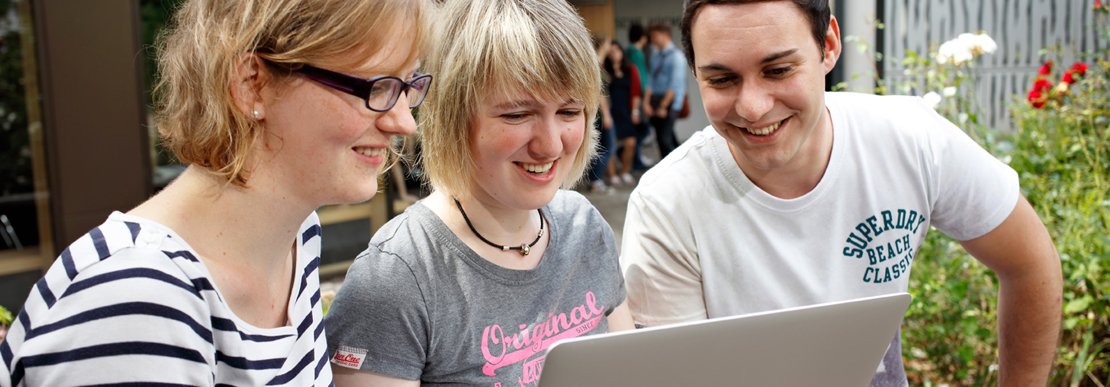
[
  {"x": 964, "y": 48},
  {"x": 1044, "y": 91},
  {"x": 1060, "y": 147},
  {"x": 945, "y": 79},
  {"x": 1062, "y": 151}
]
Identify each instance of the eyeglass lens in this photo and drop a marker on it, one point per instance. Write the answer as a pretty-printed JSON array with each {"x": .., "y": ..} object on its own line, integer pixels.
[{"x": 385, "y": 91}]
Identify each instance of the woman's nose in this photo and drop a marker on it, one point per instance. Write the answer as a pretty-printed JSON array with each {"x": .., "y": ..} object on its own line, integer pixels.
[{"x": 398, "y": 120}]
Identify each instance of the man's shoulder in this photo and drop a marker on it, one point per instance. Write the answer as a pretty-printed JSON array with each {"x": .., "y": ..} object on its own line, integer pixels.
[
  {"x": 899, "y": 108},
  {"x": 885, "y": 117}
]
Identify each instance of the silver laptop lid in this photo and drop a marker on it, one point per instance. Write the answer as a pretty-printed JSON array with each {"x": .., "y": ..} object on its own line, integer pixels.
[{"x": 833, "y": 344}]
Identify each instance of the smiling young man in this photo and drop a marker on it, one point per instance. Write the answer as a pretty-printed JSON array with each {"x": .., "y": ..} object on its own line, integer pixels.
[{"x": 794, "y": 196}]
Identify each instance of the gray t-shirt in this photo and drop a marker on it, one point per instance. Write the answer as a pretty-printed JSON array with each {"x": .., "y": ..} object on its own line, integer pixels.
[{"x": 420, "y": 304}]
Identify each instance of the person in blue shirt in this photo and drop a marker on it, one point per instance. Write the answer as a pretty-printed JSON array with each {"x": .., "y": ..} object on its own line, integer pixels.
[{"x": 667, "y": 88}]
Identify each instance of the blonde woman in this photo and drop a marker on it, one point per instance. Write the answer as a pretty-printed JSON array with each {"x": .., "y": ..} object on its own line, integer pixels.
[
  {"x": 278, "y": 107},
  {"x": 472, "y": 284}
]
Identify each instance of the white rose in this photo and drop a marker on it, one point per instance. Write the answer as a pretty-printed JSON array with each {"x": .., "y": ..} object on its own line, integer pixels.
[{"x": 932, "y": 99}]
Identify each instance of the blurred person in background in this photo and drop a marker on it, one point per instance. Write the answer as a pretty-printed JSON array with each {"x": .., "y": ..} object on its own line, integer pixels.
[
  {"x": 607, "y": 139},
  {"x": 624, "y": 102},
  {"x": 668, "y": 87},
  {"x": 635, "y": 54}
]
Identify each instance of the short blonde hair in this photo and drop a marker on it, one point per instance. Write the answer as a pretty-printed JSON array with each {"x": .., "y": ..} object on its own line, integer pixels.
[
  {"x": 498, "y": 46},
  {"x": 194, "y": 109}
]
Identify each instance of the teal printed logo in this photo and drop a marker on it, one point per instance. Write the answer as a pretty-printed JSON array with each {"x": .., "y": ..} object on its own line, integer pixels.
[{"x": 884, "y": 241}]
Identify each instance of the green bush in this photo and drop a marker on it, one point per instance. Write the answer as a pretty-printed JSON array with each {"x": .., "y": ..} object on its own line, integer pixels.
[
  {"x": 1061, "y": 152},
  {"x": 5, "y": 317}
]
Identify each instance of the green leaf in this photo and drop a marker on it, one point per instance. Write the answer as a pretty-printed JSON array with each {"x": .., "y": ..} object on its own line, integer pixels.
[
  {"x": 1078, "y": 305},
  {"x": 5, "y": 317}
]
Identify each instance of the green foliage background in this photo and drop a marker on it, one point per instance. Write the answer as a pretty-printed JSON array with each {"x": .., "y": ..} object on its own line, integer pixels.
[
  {"x": 1062, "y": 156},
  {"x": 15, "y": 153}
]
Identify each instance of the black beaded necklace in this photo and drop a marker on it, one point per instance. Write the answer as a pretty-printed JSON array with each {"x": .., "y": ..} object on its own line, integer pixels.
[{"x": 524, "y": 248}]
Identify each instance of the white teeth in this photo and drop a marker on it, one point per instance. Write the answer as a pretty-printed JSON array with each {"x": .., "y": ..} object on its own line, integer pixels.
[
  {"x": 537, "y": 168},
  {"x": 764, "y": 131},
  {"x": 372, "y": 151}
]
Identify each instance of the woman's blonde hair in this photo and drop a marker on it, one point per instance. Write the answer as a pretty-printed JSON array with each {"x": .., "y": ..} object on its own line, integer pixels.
[
  {"x": 197, "y": 57},
  {"x": 486, "y": 47}
]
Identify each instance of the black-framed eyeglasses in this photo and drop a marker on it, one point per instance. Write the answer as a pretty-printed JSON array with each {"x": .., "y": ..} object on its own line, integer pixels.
[{"x": 380, "y": 93}]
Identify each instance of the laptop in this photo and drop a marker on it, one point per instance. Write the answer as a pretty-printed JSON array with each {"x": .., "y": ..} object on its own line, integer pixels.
[{"x": 833, "y": 344}]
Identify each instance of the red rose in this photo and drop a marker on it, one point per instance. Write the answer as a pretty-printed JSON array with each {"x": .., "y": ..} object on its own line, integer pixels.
[
  {"x": 1067, "y": 78},
  {"x": 1046, "y": 68},
  {"x": 1041, "y": 84},
  {"x": 1079, "y": 68},
  {"x": 1036, "y": 98},
  {"x": 1098, "y": 4}
]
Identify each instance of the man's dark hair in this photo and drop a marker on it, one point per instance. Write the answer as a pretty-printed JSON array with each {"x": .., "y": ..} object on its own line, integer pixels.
[
  {"x": 653, "y": 28},
  {"x": 635, "y": 32},
  {"x": 817, "y": 13}
]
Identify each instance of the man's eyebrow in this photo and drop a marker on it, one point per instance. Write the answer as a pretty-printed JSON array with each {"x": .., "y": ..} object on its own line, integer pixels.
[
  {"x": 714, "y": 67},
  {"x": 777, "y": 56}
]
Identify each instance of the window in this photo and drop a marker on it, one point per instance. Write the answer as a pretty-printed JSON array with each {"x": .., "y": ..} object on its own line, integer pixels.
[{"x": 24, "y": 215}]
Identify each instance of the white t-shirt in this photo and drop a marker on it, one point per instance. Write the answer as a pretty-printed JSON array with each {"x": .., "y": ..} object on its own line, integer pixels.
[
  {"x": 130, "y": 302},
  {"x": 702, "y": 241}
]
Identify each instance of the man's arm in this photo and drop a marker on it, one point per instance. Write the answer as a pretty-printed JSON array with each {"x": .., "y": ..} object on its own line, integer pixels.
[
  {"x": 646, "y": 103},
  {"x": 606, "y": 117},
  {"x": 664, "y": 108},
  {"x": 621, "y": 318},
  {"x": 1021, "y": 253}
]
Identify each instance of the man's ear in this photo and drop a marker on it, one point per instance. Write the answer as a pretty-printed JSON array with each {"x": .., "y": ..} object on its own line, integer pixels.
[
  {"x": 246, "y": 83},
  {"x": 832, "y": 45}
]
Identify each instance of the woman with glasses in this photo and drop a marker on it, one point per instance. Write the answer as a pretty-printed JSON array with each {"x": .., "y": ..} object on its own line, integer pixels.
[
  {"x": 472, "y": 284},
  {"x": 278, "y": 107}
]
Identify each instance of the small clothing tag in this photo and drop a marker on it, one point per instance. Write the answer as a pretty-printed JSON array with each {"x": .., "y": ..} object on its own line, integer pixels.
[{"x": 349, "y": 357}]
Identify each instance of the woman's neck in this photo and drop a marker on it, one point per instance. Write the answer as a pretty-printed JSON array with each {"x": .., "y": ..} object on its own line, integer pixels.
[
  {"x": 497, "y": 223},
  {"x": 256, "y": 225},
  {"x": 245, "y": 236}
]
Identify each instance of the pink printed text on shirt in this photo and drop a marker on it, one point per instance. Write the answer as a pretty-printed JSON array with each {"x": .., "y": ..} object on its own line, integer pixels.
[{"x": 502, "y": 350}]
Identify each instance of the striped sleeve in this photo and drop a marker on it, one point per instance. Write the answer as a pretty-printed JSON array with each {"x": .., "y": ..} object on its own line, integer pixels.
[{"x": 134, "y": 318}]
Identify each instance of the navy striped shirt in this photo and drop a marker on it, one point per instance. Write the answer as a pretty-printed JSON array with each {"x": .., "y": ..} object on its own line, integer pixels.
[{"x": 129, "y": 302}]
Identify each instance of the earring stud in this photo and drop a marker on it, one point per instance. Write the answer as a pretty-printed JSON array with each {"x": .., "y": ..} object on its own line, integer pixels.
[{"x": 256, "y": 115}]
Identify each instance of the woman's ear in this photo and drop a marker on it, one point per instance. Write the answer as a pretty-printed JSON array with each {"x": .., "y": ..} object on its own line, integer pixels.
[{"x": 246, "y": 83}]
